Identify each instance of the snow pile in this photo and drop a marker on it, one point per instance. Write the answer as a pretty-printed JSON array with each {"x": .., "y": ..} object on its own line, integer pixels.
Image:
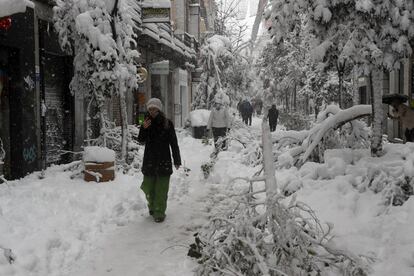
[
  {"x": 10, "y": 7},
  {"x": 53, "y": 222},
  {"x": 199, "y": 117},
  {"x": 98, "y": 154}
]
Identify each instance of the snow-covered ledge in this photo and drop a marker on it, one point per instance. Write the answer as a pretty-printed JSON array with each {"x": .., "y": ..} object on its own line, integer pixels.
[{"x": 10, "y": 7}]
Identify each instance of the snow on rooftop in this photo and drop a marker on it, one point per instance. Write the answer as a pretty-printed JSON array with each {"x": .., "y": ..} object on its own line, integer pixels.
[
  {"x": 161, "y": 35},
  {"x": 10, "y": 7}
]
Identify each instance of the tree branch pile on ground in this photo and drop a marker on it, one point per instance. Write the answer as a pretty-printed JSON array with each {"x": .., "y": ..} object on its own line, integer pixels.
[{"x": 270, "y": 236}]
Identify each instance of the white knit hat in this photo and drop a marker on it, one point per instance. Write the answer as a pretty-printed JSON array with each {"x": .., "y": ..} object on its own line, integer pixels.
[{"x": 154, "y": 102}]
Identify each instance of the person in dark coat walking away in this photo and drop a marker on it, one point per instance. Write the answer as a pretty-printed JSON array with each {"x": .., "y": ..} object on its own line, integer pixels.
[
  {"x": 158, "y": 135},
  {"x": 247, "y": 112},
  {"x": 219, "y": 122},
  {"x": 273, "y": 113}
]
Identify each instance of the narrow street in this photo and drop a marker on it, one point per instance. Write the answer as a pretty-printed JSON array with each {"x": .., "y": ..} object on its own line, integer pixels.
[{"x": 274, "y": 136}]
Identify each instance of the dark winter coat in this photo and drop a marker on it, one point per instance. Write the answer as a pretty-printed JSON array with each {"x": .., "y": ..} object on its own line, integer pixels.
[
  {"x": 246, "y": 108},
  {"x": 273, "y": 114},
  {"x": 158, "y": 138}
]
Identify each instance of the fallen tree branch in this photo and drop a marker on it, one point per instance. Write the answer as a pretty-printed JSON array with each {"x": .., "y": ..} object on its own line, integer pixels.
[{"x": 333, "y": 122}]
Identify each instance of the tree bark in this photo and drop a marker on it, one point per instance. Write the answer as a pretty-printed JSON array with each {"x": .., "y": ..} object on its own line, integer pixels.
[
  {"x": 124, "y": 124},
  {"x": 377, "y": 111},
  {"x": 294, "y": 97},
  {"x": 340, "y": 68},
  {"x": 257, "y": 20}
]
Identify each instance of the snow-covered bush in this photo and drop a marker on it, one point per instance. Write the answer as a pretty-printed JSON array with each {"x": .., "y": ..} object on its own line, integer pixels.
[{"x": 390, "y": 180}]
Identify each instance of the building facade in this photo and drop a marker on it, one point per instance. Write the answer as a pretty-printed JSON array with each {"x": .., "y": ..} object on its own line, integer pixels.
[
  {"x": 42, "y": 123},
  {"x": 36, "y": 121},
  {"x": 169, "y": 52},
  {"x": 398, "y": 81}
]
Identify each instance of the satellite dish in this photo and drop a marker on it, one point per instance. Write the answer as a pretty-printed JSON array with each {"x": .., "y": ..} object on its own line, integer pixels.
[{"x": 142, "y": 74}]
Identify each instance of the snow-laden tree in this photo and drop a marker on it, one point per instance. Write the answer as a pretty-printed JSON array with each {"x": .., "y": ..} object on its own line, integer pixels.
[
  {"x": 285, "y": 64},
  {"x": 380, "y": 34},
  {"x": 215, "y": 57},
  {"x": 100, "y": 35}
]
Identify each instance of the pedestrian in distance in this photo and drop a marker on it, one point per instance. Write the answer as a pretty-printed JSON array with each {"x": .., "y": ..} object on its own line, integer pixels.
[
  {"x": 273, "y": 114},
  {"x": 219, "y": 122},
  {"x": 157, "y": 133},
  {"x": 247, "y": 111},
  {"x": 239, "y": 104}
]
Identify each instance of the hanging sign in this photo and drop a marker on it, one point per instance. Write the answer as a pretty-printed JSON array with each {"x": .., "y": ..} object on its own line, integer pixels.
[{"x": 142, "y": 74}]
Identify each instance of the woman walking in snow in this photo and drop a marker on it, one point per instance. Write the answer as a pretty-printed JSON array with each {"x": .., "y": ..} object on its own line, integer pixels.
[
  {"x": 219, "y": 122},
  {"x": 158, "y": 135}
]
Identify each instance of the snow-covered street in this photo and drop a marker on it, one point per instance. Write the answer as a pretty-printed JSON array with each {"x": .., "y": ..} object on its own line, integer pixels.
[
  {"x": 206, "y": 138},
  {"x": 59, "y": 226},
  {"x": 143, "y": 247}
]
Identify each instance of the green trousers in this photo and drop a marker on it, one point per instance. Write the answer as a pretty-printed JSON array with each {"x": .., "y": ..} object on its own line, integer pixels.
[{"x": 156, "y": 192}]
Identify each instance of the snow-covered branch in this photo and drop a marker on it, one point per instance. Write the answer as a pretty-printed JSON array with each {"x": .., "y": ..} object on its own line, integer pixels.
[
  {"x": 338, "y": 119},
  {"x": 303, "y": 143}
]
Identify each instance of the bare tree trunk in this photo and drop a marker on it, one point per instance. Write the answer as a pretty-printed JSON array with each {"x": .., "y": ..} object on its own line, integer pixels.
[
  {"x": 294, "y": 97},
  {"x": 340, "y": 67},
  {"x": 124, "y": 124},
  {"x": 377, "y": 111},
  {"x": 287, "y": 100},
  {"x": 88, "y": 123},
  {"x": 257, "y": 20}
]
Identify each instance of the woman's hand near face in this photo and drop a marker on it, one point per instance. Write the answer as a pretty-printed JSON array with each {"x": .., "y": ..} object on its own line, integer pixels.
[{"x": 146, "y": 123}]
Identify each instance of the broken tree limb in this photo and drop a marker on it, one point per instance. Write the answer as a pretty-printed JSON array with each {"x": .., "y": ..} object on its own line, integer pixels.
[{"x": 333, "y": 122}]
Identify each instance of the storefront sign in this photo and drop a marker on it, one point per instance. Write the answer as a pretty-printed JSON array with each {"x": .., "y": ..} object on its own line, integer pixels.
[
  {"x": 156, "y": 12},
  {"x": 160, "y": 68}
]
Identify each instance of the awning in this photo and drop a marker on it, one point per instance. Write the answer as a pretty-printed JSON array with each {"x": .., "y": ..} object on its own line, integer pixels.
[{"x": 10, "y": 7}]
